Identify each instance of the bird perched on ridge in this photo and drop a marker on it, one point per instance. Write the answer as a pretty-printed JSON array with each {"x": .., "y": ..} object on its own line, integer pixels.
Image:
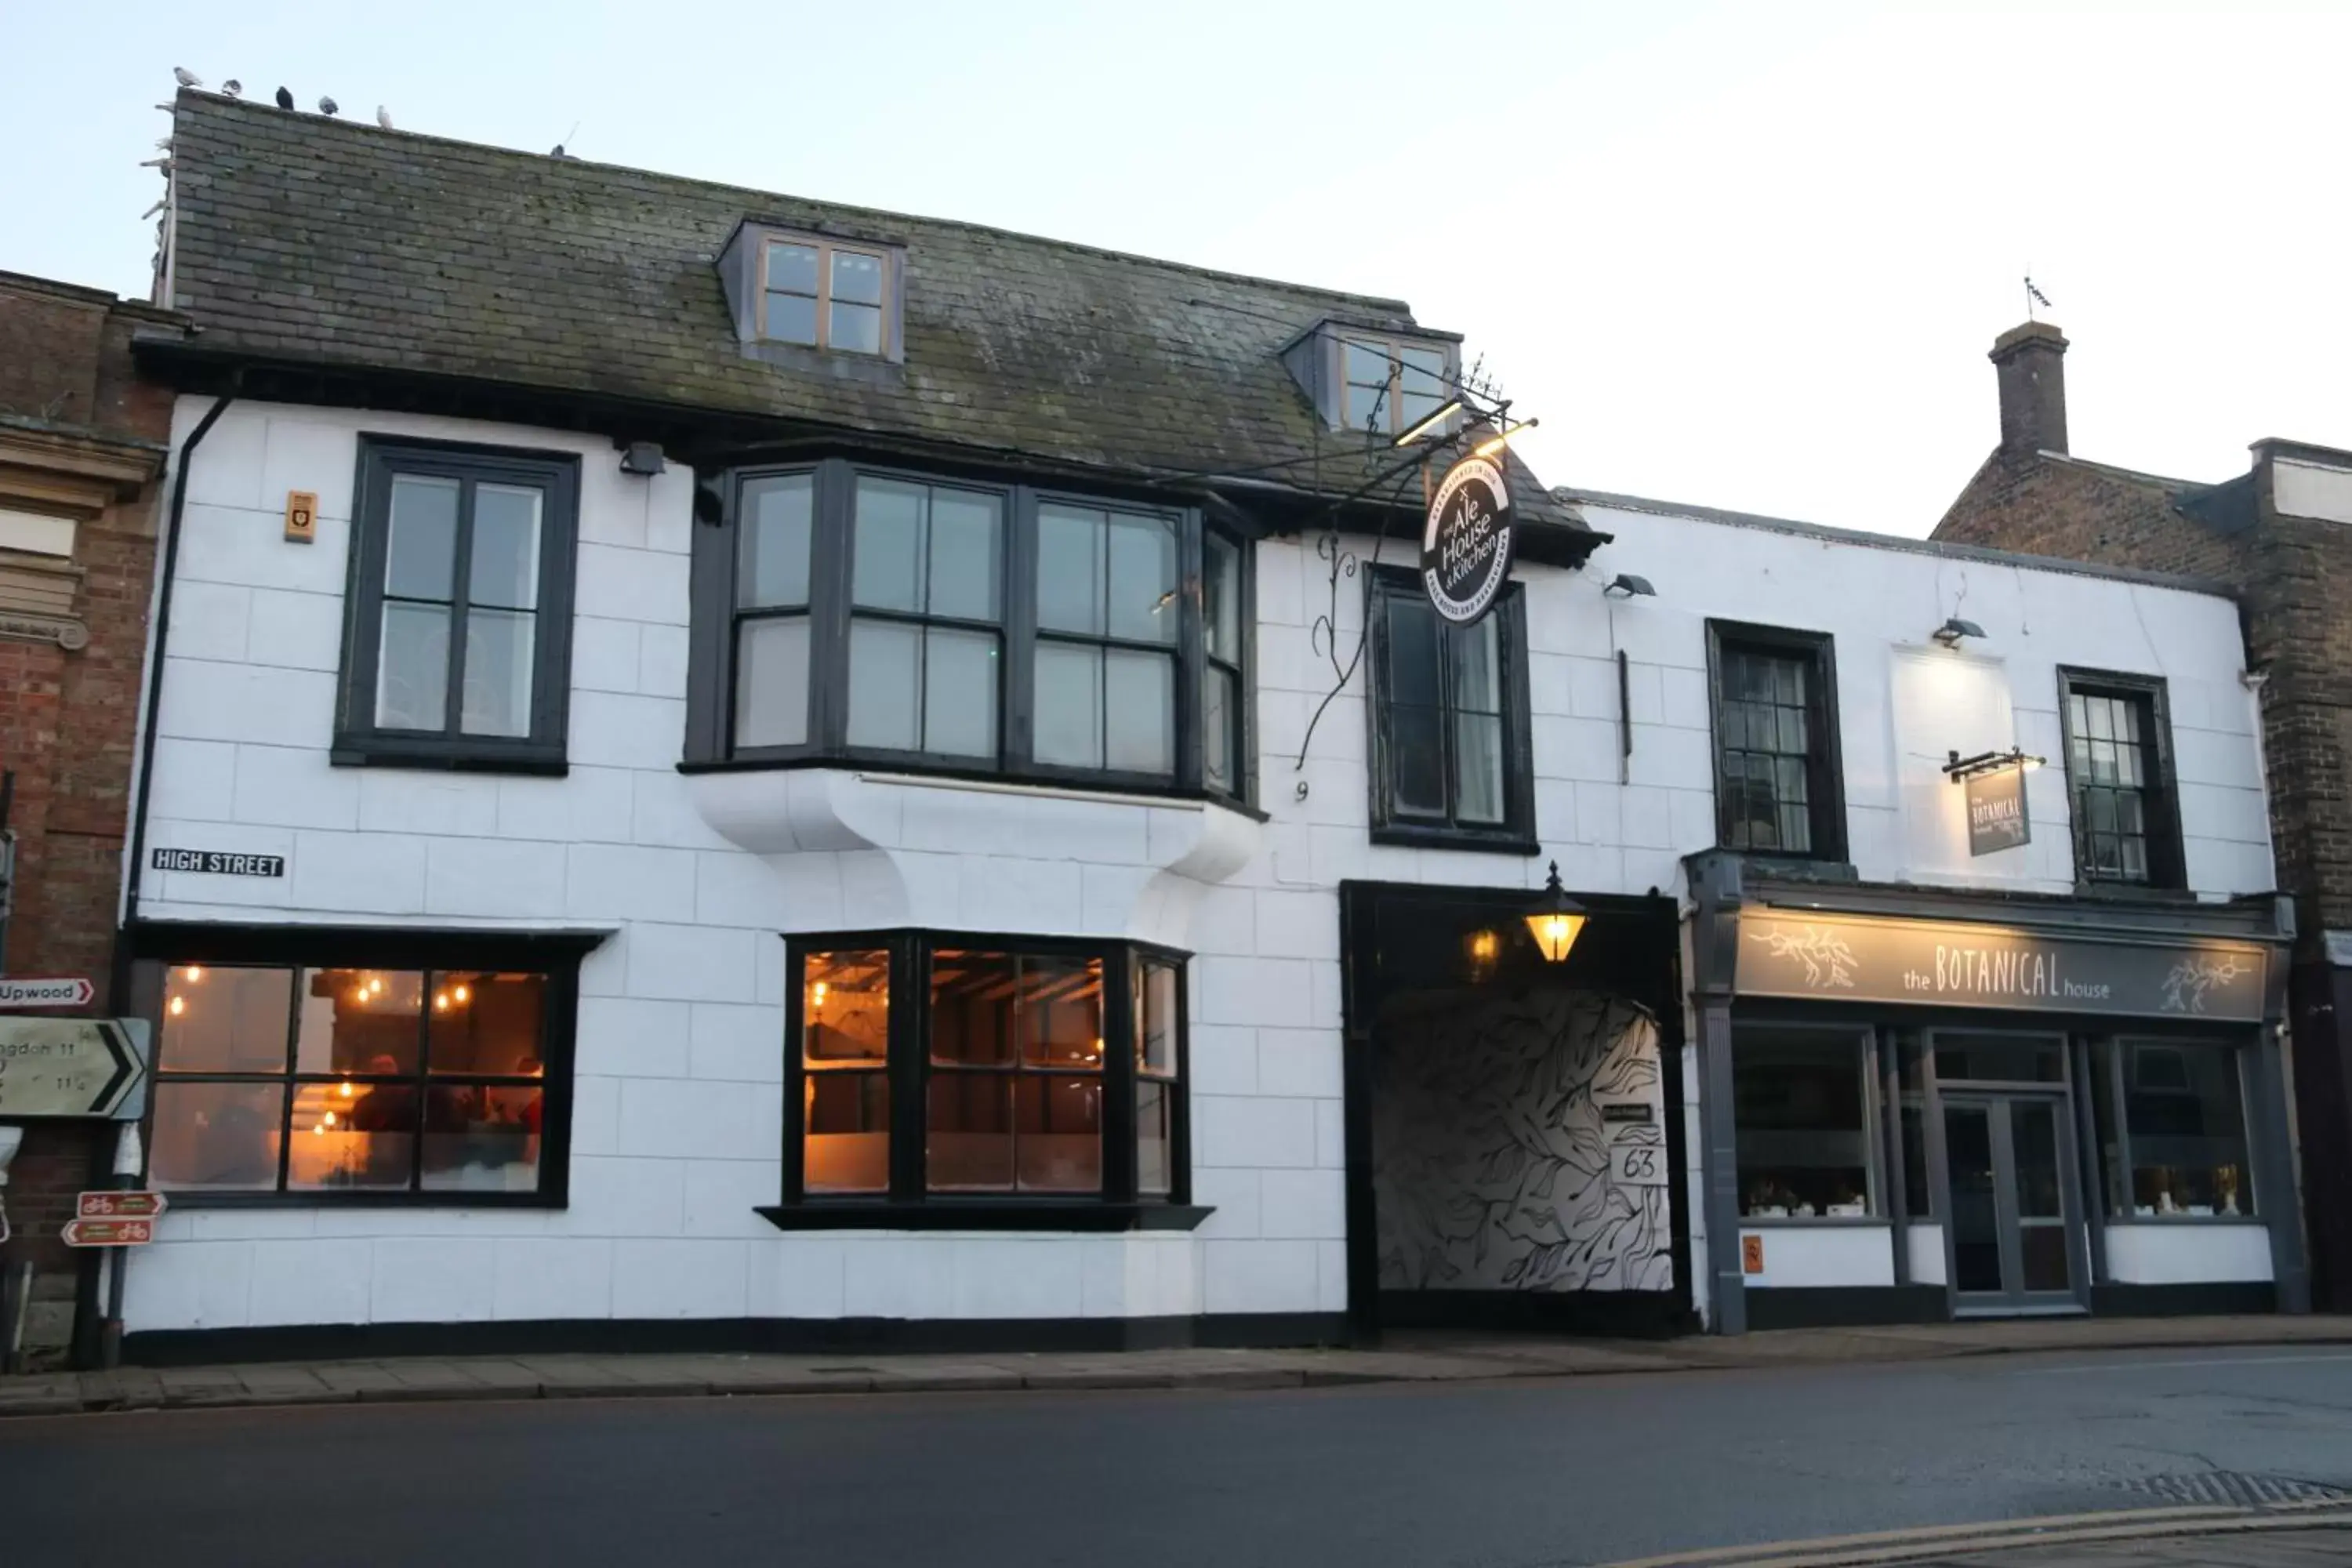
[
  {"x": 285, "y": 98},
  {"x": 328, "y": 105},
  {"x": 383, "y": 116},
  {"x": 186, "y": 76},
  {"x": 231, "y": 88}
]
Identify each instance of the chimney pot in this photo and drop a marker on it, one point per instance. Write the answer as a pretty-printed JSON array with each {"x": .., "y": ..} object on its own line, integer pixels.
[{"x": 2029, "y": 360}]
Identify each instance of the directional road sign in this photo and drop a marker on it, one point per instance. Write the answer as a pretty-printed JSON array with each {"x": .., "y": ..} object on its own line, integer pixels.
[
  {"x": 26, "y": 991},
  {"x": 120, "y": 1206},
  {"x": 107, "y": 1232},
  {"x": 72, "y": 1067}
]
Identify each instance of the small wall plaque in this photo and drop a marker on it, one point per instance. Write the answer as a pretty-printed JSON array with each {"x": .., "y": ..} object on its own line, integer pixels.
[{"x": 301, "y": 516}]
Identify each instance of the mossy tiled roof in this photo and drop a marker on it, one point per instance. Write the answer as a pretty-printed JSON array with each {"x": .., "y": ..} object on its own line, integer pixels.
[{"x": 317, "y": 241}]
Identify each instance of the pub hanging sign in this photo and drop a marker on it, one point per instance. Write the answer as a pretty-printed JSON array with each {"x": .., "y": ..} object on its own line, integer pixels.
[
  {"x": 1997, "y": 818},
  {"x": 1465, "y": 547}
]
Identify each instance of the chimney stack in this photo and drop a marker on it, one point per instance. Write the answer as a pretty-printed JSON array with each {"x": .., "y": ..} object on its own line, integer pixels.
[{"x": 2029, "y": 361}]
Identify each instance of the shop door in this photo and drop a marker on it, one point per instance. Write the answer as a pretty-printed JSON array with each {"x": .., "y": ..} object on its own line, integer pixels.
[{"x": 2010, "y": 1162}]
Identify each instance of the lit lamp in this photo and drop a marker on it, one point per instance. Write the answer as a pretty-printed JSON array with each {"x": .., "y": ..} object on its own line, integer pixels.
[{"x": 1555, "y": 919}]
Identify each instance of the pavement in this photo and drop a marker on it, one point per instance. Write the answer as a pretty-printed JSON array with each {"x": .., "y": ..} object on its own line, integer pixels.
[{"x": 1434, "y": 1358}]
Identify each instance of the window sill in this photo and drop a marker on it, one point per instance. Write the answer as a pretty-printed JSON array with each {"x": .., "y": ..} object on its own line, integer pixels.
[
  {"x": 2134, "y": 893},
  {"x": 447, "y": 756},
  {"x": 1797, "y": 868},
  {"x": 1787, "y": 1221},
  {"x": 1407, "y": 835},
  {"x": 985, "y": 1214},
  {"x": 182, "y": 1201},
  {"x": 2119, "y": 1221}
]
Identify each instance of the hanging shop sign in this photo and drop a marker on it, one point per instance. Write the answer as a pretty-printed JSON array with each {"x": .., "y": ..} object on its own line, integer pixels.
[
  {"x": 1847, "y": 958},
  {"x": 73, "y": 1067},
  {"x": 1465, "y": 546},
  {"x": 1997, "y": 818}
]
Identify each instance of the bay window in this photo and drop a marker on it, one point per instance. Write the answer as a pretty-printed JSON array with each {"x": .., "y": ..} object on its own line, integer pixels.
[
  {"x": 946, "y": 1080},
  {"x": 929, "y": 624}
]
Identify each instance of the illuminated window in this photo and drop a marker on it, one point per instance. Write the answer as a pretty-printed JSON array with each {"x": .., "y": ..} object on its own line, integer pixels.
[
  {"x": 342, "y": 1080},
  {"x": 955, "y": 1070}
]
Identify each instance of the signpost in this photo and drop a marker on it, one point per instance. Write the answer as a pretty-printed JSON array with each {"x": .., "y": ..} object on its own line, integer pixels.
[
  {"x": 120, "y": 1206},
  {"x": 47, "y": 991},
  {"x": 107, "y": 1232},
  {"x": 1465, "y": 546},
  {"x": 73, "y": 1067}
]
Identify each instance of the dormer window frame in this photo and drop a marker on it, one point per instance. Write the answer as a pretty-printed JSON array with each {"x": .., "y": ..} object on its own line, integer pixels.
[
  {"x": 887, "y": 301},
  {"x": 1392, "y": 347}
]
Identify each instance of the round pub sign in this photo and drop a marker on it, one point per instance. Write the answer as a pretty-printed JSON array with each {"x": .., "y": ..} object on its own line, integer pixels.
[{"x": 1465, "y": 548}]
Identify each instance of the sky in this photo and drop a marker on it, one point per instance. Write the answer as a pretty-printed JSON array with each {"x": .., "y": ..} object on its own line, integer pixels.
[{"x": 1743, "y": 255}]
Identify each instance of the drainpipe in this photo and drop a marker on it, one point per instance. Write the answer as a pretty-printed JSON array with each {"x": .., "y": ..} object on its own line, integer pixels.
[
  {"x": 90, "y": 1336},
  {"x": 155, "y": 676}
]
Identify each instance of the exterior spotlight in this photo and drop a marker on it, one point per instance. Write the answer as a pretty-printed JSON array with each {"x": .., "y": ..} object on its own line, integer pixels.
[
  {"x": 1633, "y": 587},
  {"x": 1555, "y": 920},
  {"x": 1950, "y": 632}
]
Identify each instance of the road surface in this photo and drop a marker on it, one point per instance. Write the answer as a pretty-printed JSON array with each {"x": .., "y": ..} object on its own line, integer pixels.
[{"x": 1505, "y": 1475}]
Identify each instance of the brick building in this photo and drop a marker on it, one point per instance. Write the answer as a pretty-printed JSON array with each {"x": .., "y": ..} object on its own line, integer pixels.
[
  {"x": 82, "y": 444},
  {"x": 2276, "y": 535}
]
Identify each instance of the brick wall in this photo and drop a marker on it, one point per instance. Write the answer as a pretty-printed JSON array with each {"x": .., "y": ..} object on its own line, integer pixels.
[{"x": 79, "y": 434}]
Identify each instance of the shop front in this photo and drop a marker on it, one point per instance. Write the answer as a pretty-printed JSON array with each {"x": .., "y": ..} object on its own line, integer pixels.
[{"x": 1922, "y": 1104}]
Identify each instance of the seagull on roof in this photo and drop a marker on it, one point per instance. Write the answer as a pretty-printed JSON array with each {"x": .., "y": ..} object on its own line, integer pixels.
[
  {"x": 557, "y": 151},
  {"x": 231, "y": 88},
  {"x": 328, "y": 105},
  {"x": 186, "y": 76},
  {"x": 285, "y": 98},
  {"x": 383, "y": 116}
]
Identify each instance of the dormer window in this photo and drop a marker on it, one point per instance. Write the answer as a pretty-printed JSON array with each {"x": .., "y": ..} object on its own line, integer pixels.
[
  {"x": 825, "y": 295},
  {"x": 1389, "y": 386}
]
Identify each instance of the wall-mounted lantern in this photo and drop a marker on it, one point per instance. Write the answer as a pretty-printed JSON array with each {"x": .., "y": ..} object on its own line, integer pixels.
[{"x": 1555, "y": 920}]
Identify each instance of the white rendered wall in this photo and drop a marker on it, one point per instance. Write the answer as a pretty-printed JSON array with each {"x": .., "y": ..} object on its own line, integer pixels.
[
  {"x": 1926, "y": 1243},
  {"x": 677, "y": 1112},
  {"x": 1822, "y": 1255},
  {"x": 2182, "y": 1253},
  {"x": 1895, "y": 728}
]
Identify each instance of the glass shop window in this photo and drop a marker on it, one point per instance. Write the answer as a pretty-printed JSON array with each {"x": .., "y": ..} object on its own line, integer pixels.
[{"x": 1800, "y": 1103}]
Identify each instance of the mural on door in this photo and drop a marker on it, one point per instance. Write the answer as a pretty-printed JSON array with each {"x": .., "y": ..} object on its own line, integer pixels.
[{"x": 1519, "y": 1144}]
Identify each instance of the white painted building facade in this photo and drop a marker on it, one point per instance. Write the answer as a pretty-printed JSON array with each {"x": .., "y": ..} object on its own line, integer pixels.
[
  {"x": 679, "y": 1066},
  {"x": 761, "y": 825}
]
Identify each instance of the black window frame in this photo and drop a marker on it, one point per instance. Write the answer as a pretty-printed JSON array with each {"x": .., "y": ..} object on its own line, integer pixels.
[
  {"x": 2159, "y": 796},
  {"x": 2116, "y": 1077},
  {"x": 1516, "y": 833},
  {"x": 358, "y": 741},
  {"x": 157, "y": 946},
  {"x": 1824, "y": 759},
  {"x": 909, "y": 1204},
  {"x": 710, "y": 713}
]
